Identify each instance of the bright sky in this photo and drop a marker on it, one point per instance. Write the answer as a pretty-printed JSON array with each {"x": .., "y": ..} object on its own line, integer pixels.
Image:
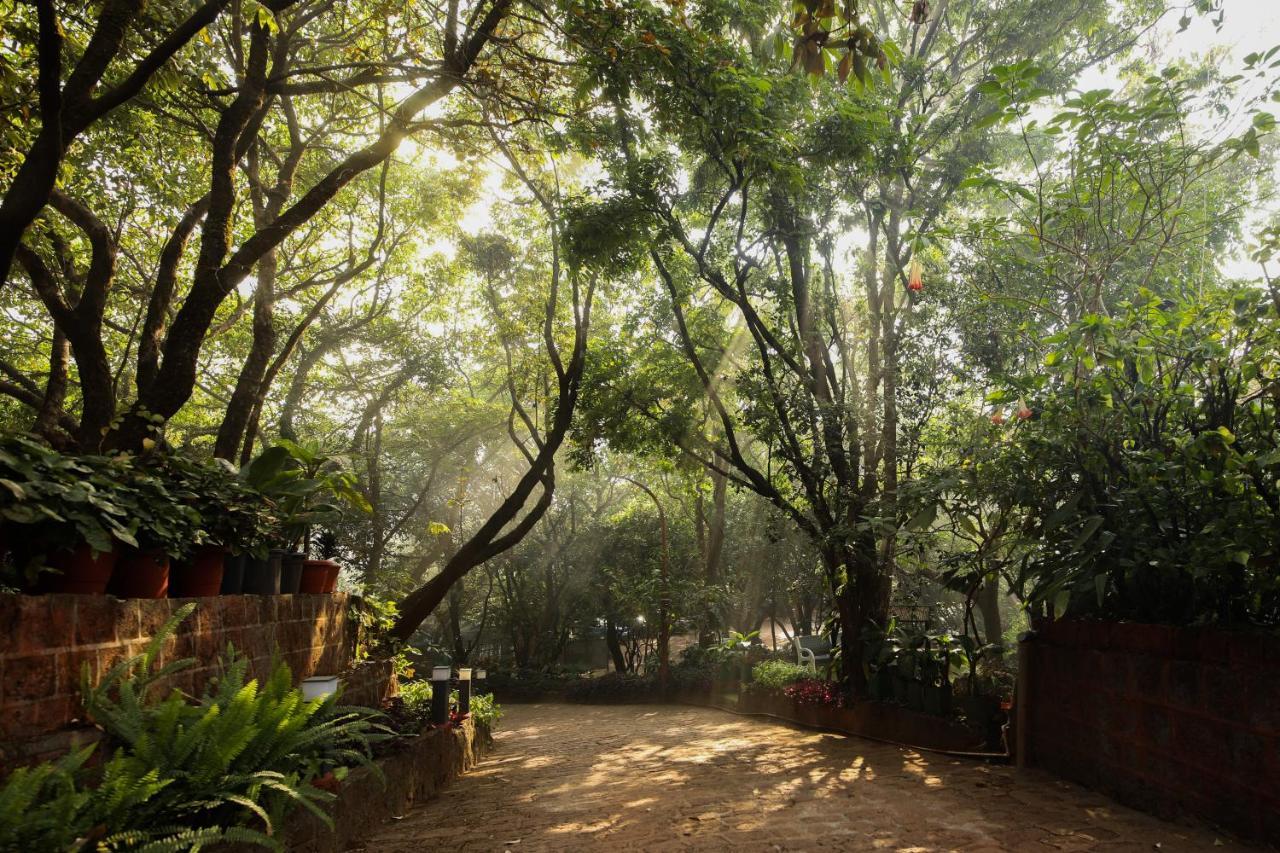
[{"x": 1249, "y": 26}]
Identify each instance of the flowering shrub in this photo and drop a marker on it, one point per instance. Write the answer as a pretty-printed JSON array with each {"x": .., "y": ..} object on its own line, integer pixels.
[{"x": 815, "y": 691}]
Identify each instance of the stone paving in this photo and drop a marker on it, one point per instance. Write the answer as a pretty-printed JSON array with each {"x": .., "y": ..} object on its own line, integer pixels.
[{"x": 654, "y": 778}]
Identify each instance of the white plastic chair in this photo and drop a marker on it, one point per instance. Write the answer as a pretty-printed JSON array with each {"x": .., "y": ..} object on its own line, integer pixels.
[{"x": 811, "y": 651}]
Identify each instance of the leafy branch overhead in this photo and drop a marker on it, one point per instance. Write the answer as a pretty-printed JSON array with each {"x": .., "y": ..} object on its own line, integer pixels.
[{"x": 826, "y": 33}]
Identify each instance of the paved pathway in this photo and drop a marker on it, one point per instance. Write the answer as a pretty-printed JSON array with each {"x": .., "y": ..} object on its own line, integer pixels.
[{"x": 636, "y": 777}]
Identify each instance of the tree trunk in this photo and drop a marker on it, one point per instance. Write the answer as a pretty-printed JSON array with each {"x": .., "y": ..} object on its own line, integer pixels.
[
  {"x": 240, "y": 408},
  {"x": 862, "y": 603},
  {"x": 297, "y": 389},
  {"x": 712, "y": 542},
  {"x": 460, "y": 650},
  {"x": 989, "y": 606},
  {"x": 614, "y": 644},
  {"x": 55, "y": 390}
]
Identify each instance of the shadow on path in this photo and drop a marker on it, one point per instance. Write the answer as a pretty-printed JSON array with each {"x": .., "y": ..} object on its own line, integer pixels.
[{"x": 648, "y": 777}]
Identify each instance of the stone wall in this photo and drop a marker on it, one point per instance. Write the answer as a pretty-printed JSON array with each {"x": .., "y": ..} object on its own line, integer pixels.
[
  {"x": 414, "y": 773},
  {"x": 1175, "y": 721},
  {"x": 46, "y": 641}
]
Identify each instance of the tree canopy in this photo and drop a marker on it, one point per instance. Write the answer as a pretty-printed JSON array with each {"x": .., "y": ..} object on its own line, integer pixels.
[{"x": 633, "y": 318}]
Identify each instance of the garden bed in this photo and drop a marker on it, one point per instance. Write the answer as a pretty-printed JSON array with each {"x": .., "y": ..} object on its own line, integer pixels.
[
  {"x": 46, "y": 641},
  {"x": 419, "y": 770}
]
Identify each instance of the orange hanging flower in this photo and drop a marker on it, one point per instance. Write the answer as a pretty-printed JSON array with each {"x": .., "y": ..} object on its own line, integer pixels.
[
  {"x": 997, "y": 417},
  {"x": 1023, "y": 411},
  {"x": 915, "y": 276}
]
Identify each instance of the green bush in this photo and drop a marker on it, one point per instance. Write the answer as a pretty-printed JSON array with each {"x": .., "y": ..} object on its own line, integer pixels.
[
  {"x": 777, "y": 674},
  {"x": 233, "y": 514},
  {"x": 486, "y": 711},
  {"x": 185, "y": 773},
  {"x": 415, "y": 696},
  {"x": 1145, "y": 483},
  {"x": 613, "y": 687},
  {"x": 529, "y": 685}
]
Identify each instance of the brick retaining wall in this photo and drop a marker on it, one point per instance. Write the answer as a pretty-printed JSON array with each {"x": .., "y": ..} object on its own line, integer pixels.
[
  {"x": 46, "y": 640},
  {"x": 1175, "y": 721}
]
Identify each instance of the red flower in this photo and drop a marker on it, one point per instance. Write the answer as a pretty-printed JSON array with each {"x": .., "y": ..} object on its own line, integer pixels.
[
  {"x": 915, "y": 277},
  {"x": 997, "y": 417},
  {"x": 815, "y": 691},
  {"x": 1023, "y": 411}
]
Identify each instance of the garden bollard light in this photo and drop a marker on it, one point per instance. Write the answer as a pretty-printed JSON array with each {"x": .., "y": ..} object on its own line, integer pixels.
[
  {"x": 440, "y": 695},
  {"x": 464, "y": 690},
  {"x": 479, "y": 679}
]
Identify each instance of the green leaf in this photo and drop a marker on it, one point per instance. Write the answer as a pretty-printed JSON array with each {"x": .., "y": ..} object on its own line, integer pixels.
[
  {"x": 923, "y": 519},
  {"x": 1090, "y": 527}
]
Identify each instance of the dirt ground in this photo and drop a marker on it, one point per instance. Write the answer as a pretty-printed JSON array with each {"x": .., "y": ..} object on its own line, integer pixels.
[{"x": 642, "y": 777}]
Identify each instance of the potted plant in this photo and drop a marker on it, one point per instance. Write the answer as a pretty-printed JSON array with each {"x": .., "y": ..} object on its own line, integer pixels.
[
  {"x": 235, "y": 520},
  {"x": 321, "y": 575},
  {"x": 308, "y": 487},
  {"x": 65, "y": 515},
  {"x": 166, "y": 529}
]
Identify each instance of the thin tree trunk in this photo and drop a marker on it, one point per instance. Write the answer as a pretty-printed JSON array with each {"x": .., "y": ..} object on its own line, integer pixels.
[
  {"x": 989, "y": 606},
  {"x": 239, "y": 410},
  {"x": 55, "y": 389},
  {"x": 614, "y": 643}
]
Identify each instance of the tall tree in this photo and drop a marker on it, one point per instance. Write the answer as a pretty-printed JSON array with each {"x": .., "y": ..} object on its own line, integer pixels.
[{"x": 741, "y": 180}]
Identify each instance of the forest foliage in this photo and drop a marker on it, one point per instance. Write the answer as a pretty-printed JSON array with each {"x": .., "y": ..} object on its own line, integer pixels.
[{"x": 624, "y": 318}]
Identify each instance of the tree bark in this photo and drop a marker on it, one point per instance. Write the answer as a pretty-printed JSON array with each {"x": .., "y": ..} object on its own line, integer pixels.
[
  {"x": 989, "y": 606},
  {"x": 66, "y": 111},
  {"x": 219, "y": 270},
  {"x": 614, "y": 644},
  {"x": 235, "y": 420}
]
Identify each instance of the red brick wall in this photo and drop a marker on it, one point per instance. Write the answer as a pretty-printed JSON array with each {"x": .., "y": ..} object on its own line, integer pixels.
[
  {"x": 46, "y": 640},
  {"x": 1176, "y": 721}
]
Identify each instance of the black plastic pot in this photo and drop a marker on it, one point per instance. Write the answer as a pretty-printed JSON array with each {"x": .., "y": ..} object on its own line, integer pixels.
[
  {"x": 233, "y": 574},
  {"x": 262, "y": 576},
  {"x": 291, "y": 572}
]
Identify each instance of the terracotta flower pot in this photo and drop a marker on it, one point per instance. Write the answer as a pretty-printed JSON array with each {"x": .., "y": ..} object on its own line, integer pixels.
[
  {"x": 142, "y": 574},
  {"x": 200, "y": 575},
  {"x": 80, "y": 571},
  {"x": 328, "y": 782},
  {"x": 331, "y": 583},
  {"x": 318, "y": 576}
]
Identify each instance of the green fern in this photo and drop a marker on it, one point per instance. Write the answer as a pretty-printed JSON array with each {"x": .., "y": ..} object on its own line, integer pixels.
[{"x": 188, "y": 772}]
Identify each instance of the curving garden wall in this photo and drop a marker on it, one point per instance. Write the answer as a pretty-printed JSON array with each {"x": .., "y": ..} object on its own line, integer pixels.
[
  {"x": 46, "y": 640},
  {"x": 1176, "y": 721}
]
